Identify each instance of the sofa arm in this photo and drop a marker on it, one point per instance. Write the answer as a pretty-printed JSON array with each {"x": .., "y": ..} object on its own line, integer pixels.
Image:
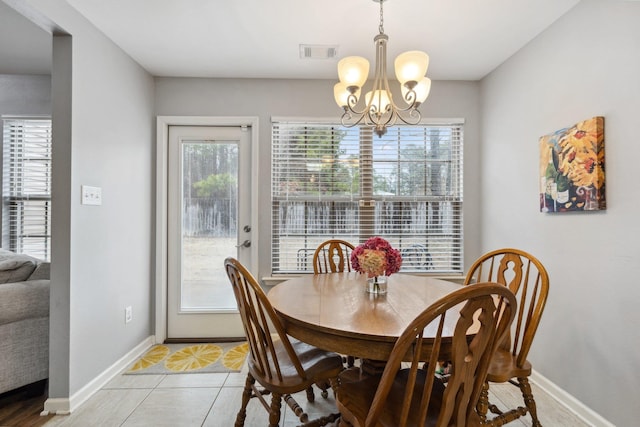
[
  {"x": 42, "y": 271},
  {"x": 24, "y": 300}
]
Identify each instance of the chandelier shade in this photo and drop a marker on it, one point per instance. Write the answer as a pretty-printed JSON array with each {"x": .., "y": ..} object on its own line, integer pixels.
[
  {"x": 411, "y": 66},
  {"x": 378, "y": 108},
  {"x": 379, "y": 100},
  {"x": 353, "y": 71}
]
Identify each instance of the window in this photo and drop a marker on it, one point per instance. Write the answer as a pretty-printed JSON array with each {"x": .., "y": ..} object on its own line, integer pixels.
[
  {"x": 26, "y": 190},
  {"x": 329, "y": 181}
]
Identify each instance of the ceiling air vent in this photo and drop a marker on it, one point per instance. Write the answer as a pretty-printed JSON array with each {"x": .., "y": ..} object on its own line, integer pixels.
[{"x": 317, "y": 51}]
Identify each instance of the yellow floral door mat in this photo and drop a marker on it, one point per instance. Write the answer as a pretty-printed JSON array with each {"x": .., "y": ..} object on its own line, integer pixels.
[{"x": 191, "y": 358}]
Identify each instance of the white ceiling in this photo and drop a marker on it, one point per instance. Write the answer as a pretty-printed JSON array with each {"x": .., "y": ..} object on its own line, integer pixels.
[{"x": 465, "y": 39}]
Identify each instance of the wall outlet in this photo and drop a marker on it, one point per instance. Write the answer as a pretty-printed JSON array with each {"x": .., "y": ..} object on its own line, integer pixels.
[{"x": 127, "y": 314}]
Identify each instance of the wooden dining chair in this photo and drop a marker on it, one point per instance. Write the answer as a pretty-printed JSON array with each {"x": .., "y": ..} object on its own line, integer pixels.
[
  {"x": 479, "y": 316},
  {"x": 332, "y": 256},
  {"x": 528, "y": 280},
  {"x": 281, "y": 365}
]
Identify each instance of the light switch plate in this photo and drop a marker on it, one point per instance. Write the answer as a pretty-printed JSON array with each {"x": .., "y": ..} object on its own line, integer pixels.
[{"x": 91, "y": 195}]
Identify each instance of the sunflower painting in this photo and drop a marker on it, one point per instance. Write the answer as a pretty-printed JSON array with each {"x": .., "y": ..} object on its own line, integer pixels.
[{"x": 572, "y": 168}]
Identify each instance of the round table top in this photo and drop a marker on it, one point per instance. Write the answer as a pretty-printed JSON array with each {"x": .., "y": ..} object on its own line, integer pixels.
[{"x": 333, "y": 311}]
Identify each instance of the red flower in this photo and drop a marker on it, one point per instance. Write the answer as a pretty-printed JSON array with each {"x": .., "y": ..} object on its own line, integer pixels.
[{"x": 392, "y": 256}]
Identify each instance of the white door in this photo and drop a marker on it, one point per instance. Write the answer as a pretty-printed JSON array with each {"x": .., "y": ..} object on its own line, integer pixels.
[{"x": 208, "y": 220}]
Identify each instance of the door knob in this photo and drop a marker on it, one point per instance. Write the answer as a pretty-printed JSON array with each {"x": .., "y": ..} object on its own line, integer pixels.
[
  {"x": 247, "y": 228},
  {"x": 245, "y": 244}
]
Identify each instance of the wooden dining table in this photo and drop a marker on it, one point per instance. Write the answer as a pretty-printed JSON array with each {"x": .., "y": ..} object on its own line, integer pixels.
[{"x": 333, "y": 312}]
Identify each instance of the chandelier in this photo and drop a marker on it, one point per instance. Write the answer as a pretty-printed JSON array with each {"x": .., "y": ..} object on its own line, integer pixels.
[{"x": 379, "y": 108}]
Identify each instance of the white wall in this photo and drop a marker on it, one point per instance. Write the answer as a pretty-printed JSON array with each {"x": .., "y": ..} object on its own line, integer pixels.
[
  {"x": 101, "y": 257},
  {"x": 586, "y": 64},
  {"x": 314, "y": 98},
  {"x": 25, "y": 95}
]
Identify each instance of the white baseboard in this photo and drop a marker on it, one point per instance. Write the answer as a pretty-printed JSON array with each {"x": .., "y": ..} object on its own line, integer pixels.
[
  {"x": 64, "y": 406},
  {"x": 568, "y": 401}
]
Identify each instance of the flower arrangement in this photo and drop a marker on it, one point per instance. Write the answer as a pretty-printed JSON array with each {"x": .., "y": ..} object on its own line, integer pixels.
[{"x": 376, "y": 257}]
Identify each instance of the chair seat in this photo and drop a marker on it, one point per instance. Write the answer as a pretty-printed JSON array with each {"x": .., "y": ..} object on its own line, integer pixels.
[
  {"x": 316, "y": 363},
  {"x": 503, "y": 367},
  {"x": 355, "y": 397}
]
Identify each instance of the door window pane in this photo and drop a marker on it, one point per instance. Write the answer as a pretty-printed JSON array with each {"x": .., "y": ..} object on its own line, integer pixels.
[{"x": 209, "y": 223}]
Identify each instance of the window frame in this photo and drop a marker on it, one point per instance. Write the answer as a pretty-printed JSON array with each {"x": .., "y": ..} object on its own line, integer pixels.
[
  {"x": 26, "y": 185},
  {"x": 368, "y": 202}
]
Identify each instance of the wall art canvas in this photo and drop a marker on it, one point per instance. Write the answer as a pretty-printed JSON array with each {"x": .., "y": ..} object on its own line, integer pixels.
[{"x": 572, "y": 168}]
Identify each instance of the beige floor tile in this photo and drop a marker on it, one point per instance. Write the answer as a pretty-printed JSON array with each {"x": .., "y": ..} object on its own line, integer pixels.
[
  {"x": 134, "y": 381},
  {"x": 226, "y": 407},
  {"x": 106, "y": 408},
  {"x": 236, "y": 379},
  {"x": 184, "y": 407},
  {"x": 193, "y": 380}
]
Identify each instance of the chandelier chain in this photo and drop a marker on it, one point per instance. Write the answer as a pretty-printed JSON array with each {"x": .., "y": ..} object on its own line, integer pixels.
[{"x": 381, "y": 26}]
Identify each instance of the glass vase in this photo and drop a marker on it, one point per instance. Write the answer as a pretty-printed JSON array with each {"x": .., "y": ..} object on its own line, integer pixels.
[{"x": 377, "y": 285}]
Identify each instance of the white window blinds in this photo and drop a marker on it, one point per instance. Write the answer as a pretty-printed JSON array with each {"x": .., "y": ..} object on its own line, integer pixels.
[
  {"x": 334, "y": 182},
  {"x": 26, "y": 214}
]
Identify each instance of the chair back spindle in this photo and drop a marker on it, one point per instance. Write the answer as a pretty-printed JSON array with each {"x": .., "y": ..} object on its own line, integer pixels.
[{"x": 262, "y": 326}]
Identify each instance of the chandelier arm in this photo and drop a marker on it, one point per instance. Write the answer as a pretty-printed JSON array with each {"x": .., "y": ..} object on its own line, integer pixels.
[
  {"x": 414, "y": 117},
  {"x": 390, "y": 118},
  {"x": 411, "y": 100},
  {"x": 380, "y": 110},
  {"x": 347, "y": 116},
  {"x": 352, "y": 101}
]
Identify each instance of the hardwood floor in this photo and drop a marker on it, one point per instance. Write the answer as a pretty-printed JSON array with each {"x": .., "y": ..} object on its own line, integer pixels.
[{"x": 22, "y": 407}]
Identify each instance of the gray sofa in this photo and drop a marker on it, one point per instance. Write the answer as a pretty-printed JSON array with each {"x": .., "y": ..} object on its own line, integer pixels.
[{"x": 24, "y": 320}]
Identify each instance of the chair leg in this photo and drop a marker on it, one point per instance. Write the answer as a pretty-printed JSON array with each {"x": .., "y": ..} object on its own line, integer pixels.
[
  {"x": 246, "y": 396},
  {"x": 351, "y": 361},
  {"x": 324, "y": 386},
  {"x": 482, "y": 407},
  {"x": 297, "y": 409},
  {"x": 311, "y": 397},
  {"x": 527, "y": 395},
  {"x": 274, "y": 410}
]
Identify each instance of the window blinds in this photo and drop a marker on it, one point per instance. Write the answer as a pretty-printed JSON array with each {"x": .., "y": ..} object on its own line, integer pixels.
[
  {"x": 329, "y": 181},
  {"x": 27, "y": 186}
]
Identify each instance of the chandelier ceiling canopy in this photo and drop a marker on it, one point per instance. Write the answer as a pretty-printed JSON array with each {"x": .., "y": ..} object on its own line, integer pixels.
[{"x": 378, "y": 109}]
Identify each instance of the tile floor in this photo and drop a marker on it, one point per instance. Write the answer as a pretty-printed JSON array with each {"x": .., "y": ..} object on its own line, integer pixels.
[{"x": 212, "y": 400}]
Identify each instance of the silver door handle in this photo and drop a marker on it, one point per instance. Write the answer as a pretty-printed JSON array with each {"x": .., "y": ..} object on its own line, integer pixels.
[{"x": 245, "y": 244}]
